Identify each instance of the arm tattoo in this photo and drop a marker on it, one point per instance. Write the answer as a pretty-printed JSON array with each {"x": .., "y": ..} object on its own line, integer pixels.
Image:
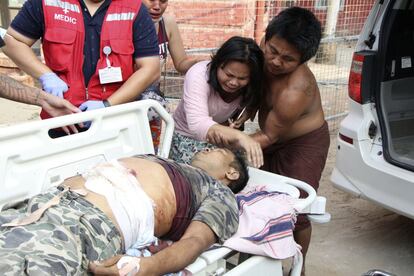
[{"x": 16, "y": 91}]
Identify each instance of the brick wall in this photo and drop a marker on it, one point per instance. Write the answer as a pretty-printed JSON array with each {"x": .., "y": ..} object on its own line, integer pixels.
[{"x": 206, "y": 24}]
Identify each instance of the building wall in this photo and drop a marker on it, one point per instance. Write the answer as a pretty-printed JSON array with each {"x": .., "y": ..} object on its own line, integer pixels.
[
  {"x": 351, "y": 17},
  {"x": 206, "y": 24}
]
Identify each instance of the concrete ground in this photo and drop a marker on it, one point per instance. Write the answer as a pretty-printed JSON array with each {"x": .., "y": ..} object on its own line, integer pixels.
[{"x": 361, "y": 236}]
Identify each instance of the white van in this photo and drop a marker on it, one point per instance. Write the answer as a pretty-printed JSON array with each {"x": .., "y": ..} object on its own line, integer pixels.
[{"x": 375, "y": 154}]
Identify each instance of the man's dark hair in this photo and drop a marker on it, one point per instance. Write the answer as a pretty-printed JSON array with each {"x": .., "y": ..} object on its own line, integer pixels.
[
  {"x": 300, "y": 28},
  {"x": 246, "y": 51},
  {"x": 239, "y": 163}
]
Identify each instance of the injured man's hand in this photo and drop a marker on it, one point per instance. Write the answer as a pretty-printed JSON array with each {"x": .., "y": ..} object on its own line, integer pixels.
[{"x": 117, "y": 265}]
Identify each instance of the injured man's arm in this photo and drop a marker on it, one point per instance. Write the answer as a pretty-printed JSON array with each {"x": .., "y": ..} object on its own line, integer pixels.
[
  {"x": 124, "y": 205},
  {"x": 197, "y": 238}
]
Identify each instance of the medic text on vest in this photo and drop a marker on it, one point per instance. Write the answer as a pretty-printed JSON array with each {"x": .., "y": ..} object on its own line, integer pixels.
[{"x": 65, "y": 18}]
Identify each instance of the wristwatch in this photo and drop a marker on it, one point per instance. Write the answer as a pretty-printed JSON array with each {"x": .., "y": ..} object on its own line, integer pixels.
[{"x": 106, "y": 103}]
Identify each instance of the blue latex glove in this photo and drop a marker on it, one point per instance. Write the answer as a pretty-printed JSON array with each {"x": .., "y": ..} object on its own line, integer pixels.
[
  {"x": 90, "y": 105},
  {"x": 52, "y": 84}
]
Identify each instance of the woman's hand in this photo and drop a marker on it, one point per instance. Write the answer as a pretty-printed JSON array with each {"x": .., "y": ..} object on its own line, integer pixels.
[
  {"x": 241, "y": 119},
  {"x": 253, "y": 150},
  {"x": 233, "y": 138}
]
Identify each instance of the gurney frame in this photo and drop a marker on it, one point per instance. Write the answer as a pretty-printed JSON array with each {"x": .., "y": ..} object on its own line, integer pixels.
[{"x": 31, "y": 162}]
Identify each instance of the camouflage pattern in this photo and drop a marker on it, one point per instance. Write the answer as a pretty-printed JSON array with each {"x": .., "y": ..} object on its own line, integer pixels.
[
  {"x": 61, "y": 242},
  {"x": 183, "y": 148},
  {"x": 215, "y": 203},
  {"x": 153, "y": 92}
]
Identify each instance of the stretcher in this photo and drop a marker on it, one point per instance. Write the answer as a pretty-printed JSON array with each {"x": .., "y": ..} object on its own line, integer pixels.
[{"x": 31, "y": 162}]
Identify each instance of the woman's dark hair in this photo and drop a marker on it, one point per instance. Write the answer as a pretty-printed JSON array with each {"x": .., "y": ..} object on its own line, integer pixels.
[
  {"x": 246, "y": 51},
  {"x": 299, "y": 27}
]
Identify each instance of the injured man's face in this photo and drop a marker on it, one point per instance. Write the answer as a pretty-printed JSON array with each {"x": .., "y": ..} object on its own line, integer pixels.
[
  {"x": 213, "y": 160},
  {"x": 223, "y": 165}
]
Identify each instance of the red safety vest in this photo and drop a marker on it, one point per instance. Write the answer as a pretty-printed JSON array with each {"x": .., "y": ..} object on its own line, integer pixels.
[{"x": 64, "y": 40}]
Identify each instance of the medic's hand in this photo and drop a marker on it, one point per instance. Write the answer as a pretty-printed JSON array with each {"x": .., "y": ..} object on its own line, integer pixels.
[
  {"x": 52, "y": 84},
  {"x": 88, "y": 106},
  {"x": 91, "y": 105}
]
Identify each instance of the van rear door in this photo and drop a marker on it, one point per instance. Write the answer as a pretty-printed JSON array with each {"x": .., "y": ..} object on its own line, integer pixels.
[{"x": 394, "y": 97}]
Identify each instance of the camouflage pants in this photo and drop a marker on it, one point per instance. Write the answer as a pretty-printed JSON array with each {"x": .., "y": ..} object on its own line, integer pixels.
[
  {"x": 61, "y": 242},
  {"x": 183, "y": 148}
]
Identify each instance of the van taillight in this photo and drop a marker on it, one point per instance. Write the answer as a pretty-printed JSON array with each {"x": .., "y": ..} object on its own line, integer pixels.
[{"x": 355, "y": 78}]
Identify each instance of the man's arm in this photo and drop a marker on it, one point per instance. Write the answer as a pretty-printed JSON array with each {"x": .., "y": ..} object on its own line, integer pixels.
[
  {"x": 181, "y": 61},
  {"x": 148, "y": 71},
  {"x": 55, "y": 106},
  {"x": 197, "y": 238},
  {"x": 286, "y": 110},
  {"x": 18, "y": 49}
]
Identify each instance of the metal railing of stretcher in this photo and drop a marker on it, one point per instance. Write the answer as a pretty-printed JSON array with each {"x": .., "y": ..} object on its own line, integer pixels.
[{"x": 31, "y": 162}]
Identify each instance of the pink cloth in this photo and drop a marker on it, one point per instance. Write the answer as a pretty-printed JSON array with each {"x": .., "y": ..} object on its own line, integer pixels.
[
  {"x": 266, "y": 223},
  {"x": 201, "y": 106}
]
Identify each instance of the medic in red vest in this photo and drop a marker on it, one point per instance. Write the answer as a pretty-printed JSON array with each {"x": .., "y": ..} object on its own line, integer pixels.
[{"x": 63, "y": 44}]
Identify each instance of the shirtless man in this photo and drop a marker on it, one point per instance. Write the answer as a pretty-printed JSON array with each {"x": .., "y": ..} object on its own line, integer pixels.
[
  {"x": 294, "y": 135},
  {"x": 124, "y": 202}
]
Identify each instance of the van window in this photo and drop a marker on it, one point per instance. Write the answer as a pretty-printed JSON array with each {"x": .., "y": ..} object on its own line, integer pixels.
[{"x": 399, "y": 43}]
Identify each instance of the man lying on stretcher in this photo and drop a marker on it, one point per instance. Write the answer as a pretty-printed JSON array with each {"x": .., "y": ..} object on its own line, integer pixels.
[{"x": 123, "y": 204}]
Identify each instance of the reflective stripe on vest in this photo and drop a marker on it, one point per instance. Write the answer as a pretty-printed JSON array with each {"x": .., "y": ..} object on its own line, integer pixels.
[
  {"x": 64, "y": 5},
  {"x": 120, "y": 16}
]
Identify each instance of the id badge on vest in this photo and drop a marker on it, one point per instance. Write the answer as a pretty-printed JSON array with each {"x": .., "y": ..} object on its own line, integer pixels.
[{"x": 109, "y": 74}]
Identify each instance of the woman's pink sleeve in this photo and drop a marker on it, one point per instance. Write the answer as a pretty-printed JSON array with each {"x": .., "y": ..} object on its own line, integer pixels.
[{"x": 196, "y": 101}]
